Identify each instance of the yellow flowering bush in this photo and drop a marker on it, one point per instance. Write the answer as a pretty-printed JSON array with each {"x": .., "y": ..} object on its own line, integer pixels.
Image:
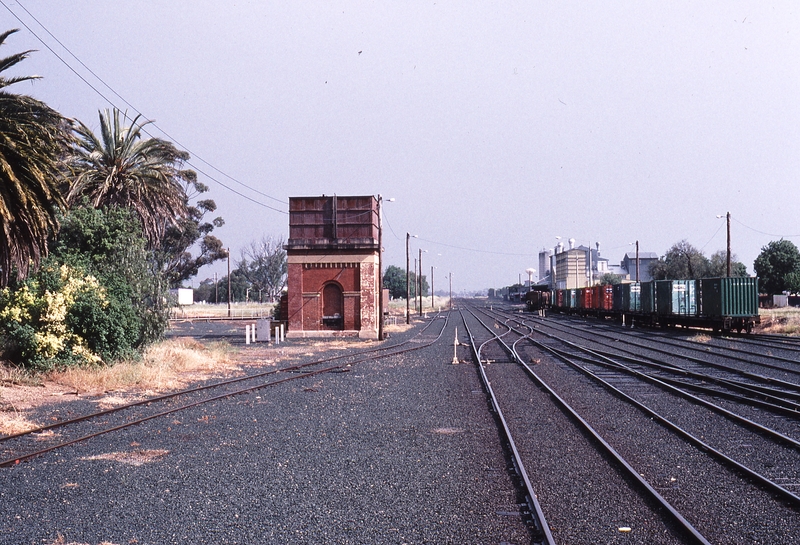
[{"x": 38, "y": 318}]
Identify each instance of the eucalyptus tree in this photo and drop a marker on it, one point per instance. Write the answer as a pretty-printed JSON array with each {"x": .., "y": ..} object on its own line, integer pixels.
[
  {"x": 120, "y": 168},
  {"x": 33, "y": 142},
  {"x": 174, "y": 257},
  {"x": 778, "y": 267},
  {"x": 682, "y": 261},
  {"x": 264, "y": 265}
]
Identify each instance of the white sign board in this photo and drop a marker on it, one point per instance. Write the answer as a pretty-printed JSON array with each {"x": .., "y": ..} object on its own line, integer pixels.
[{"x": 185, "y": 296}]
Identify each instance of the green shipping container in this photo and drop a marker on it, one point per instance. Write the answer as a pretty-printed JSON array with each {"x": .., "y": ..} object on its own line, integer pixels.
[
  {"x": 571, "y": 298},
  {"x": 647, "y": 297},
  {"x": 631, "y": 297},
  {"x": 734, "y": 297},
  {"x": 677, "y": 297},
  {"x": 617, "y": 301}
]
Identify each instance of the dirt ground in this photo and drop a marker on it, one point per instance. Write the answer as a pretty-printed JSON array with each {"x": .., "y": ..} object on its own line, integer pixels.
[{"x": 21, "y": 397}]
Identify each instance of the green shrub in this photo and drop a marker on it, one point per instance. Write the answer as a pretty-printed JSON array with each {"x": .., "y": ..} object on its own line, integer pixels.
[
  {"x": 95, "y": 299},
  {"x": 35, "y": 318}
]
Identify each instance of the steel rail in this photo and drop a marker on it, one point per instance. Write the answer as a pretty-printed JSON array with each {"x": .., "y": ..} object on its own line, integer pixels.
[
  {"x": 609, "y": 363},
  {"x": 676, "y": 341},
  {"x": 205, "y": 387},
  {"x": 765, "y": 398},
  {"x": 781, "y": 399},
  {"x": 760, "y": 479},
  {"x": 542, "y": 528},
  {"x": 17, "y": 459},
  {"x": 654, "y": 495},
  {"x": 788, "y": 342},
  {"x": 693, "y": 359}
]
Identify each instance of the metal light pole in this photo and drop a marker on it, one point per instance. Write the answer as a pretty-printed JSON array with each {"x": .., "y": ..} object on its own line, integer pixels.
[
  {"x": 451, "y": 291},
  {"x": 432, "y": 303},
  {"x": 229, "y": 282},
  {"x": 637, "y": 260},
  {"x": 416, "y": 285},
  {"x": 577, "y": 277},
  {"x": 419, "y": 280},
  {"x": 591, "y": 272},
  {"x": 408, "y": 281},
  {"x": 381, "y": 302}
]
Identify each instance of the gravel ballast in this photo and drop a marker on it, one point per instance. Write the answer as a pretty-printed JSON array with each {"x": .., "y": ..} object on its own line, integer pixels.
[{"x": 397, "y": 450}]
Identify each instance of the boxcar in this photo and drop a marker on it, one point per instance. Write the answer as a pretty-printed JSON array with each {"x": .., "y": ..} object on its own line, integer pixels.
[
  {"x": 603, "y": 298},
  {"x": 571, "y": 299},
  {"x": 677, "y": 298},
  {"x": 647, "y": 297},
  {"x": 585, "y": 300},
  {"x": 730, "y": 303}
]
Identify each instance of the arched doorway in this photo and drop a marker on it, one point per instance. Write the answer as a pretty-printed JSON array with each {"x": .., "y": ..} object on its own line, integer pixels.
[{"x": 332, "y": 307}]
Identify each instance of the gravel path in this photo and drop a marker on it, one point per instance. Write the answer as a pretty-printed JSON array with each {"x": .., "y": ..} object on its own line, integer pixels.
[{"x": 399, "y": 450}]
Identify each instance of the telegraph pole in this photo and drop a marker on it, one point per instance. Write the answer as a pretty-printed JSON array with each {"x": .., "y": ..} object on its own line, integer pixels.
[
  {"x": 229, "y": 282},
  {"x": 408, "y": 283},
  {"x": 451, "y": 291},
  {"x": 728, "y": 217},
  {"x": 419, "y": 281}
]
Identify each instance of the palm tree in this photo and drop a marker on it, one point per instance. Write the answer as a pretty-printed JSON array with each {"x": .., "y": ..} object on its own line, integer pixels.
[
  {"x": 33, "y": 141},
  {"x": 122, "y": 169}
]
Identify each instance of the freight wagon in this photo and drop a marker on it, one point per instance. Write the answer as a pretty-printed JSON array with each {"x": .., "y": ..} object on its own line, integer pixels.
[{"x": 721, "y": 304}]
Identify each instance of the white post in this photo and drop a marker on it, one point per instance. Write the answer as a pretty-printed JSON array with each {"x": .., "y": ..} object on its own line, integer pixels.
[
  {"x": 455, "y": 347},
  {"x": 277, "y": 335},
  {"x": 282, "y": 337},
  {"x": 247, "y": 334}
]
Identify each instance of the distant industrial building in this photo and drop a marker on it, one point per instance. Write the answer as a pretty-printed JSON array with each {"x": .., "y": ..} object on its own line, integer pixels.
[
  {"x": 333, "y": 254},
  {"x": 645, "y": 260},
  {"x": 571, "y": 267}
]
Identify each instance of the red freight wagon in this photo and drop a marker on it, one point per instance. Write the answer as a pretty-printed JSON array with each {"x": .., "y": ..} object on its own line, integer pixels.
[
  {"x": 604, "y": 297},
  {"x": 585, "y": 298}
]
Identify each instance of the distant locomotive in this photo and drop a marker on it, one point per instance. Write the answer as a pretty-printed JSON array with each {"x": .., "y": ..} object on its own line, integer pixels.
[
  {"x": 721, "y": 304},
  {"x": 537, "y": 299}
]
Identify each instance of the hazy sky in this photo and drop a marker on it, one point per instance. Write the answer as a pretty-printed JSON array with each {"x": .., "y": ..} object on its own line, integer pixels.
[{"x": 496, "y": 126}]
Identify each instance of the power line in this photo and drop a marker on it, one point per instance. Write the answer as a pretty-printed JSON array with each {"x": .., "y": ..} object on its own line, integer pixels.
[
  {"x": 108, "y": 100},
  {"x": 762, "y": 232},
  {"x": 474, "y": 249},
  {"x": 712, "y": 237}
]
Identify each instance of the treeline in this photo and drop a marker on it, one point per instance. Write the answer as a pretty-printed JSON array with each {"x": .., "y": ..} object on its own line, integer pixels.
[
  {"x": 96, "y": 226},
  {"x": 259, "y": 276},
  {"x": 777, "y": 266}
]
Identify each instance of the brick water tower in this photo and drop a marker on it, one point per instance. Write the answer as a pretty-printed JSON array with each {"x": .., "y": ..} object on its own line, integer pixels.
[{"x": 333, "y": 255}]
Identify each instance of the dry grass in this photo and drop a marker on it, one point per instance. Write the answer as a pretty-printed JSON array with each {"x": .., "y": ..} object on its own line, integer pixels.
[
  {"x": 12, "y": 417},
  {"x": 780, "y": 321},
  {"x": 168, "y": 365},
  {"x": 12, "y": 376},
  {"x": 12, "y": 423},
  {"x": 210, "y": 310},
  {"x": 397, "y": 307},
  {"x": 133, "y": 458},
  {"x": 701, "y": 338},
  {"x": 62, "y": 541}
]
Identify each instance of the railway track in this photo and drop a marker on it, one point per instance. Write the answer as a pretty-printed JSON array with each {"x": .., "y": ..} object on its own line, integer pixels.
[
  {"x": 764, "y": 395},
  {"x": 581, "y": 490},
  {"x": 39, "y": 441},
  {"x": 702, "y": 448}
]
